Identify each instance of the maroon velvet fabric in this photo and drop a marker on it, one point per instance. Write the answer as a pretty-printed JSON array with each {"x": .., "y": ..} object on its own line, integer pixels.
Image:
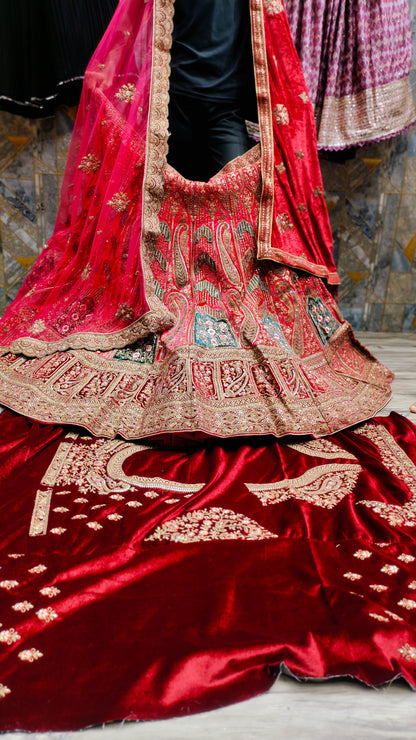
[{"x": 125, "y": 594}]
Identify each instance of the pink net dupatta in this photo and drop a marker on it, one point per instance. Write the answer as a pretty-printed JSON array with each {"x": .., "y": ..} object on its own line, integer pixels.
[{"x": 93, "y": 286}]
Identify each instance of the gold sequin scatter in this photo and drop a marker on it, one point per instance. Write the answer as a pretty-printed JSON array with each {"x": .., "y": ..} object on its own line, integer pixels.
[
  {"x": 58, "y": 530},
  {"x": 47, "y": 615},
  {"x": 379, "y": 617},
  {"x": 408, "y": 652},
  {"x": 8, "y": 585},
  {"x": 406, "y": 558},
  {"x": 352, "y": 576},
  {"x": 124, "y": 312},
  {"x": 94, "y": 525},
  {"x": 283, "y": 222},
  {"x": 89, "y": 163},
  {"x": 9, "y": 636},
  {"x": 378, "y": 587},
  {"x": 407, "y": 604},
  {"x": 412, "y": 585},
  {"x": 50, "y": 591},
  {"x": 206, "y": 525},
  {"x": 37, "y": 327},
  {"x": 30, "y": 655},
  {"x": 281, "y": 115},
  {"x": 22, "y": 606},
  {"x": 38, "y": 569},
  {"x": 362, "y": 554},
  {"x": 273, "y": 7},
  {"x": 114, "y": 517},
  {"x": 389, "y": 569},
  {"x": 126, "y": 93},
  {"x": 4, "y": 690},
  {"x": 134, "y": 504},
  {"x": 151, "y": 494},
  {"x": 119, "y": 202}
]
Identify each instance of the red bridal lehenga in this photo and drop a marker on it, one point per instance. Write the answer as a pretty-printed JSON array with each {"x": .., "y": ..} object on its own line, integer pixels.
[{"x": 221, "y": 525}]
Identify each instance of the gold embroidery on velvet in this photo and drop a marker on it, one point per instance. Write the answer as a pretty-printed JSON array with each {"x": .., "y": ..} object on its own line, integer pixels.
[
  {"x": 58, "y": 530},
  {"x": 281, "y": 115},
  {"x": 323, "y": 448},
  {"x": 16, "y": 555},
  {"x": 114, "y": 517},
  {"x": 379, "y": 617},
  {"x": 408, "y": 652},
  {"x": 391, "y": 570},
  {"x": 60, "y": 509},
  {"x": 94, "y": 525},
  {"x": 30, "y": 655},
  {"x": 284, "y": 223},
  {"x": 47, "y": 615},
  {"x": 119, "y": 202},
  {"x": 50, "y": 591},
  {"x": 393, "y": 616},
  {"x": 363, "y": 554},
  {"x": 38, "y": 569},
  {"x": 323, "y": 485},
  {"x": 304, "y": 97},
  {"x": 402, "y": 467},
  {"x": 4, "y": 691},
  {"x": 407, "y": 604},
  {"x": 22, "y": 606},
  {"x": 317, "y": 192},
  {"x": 55, "y": 467},
  {"x": 116, "y": 472},
  {"x": 9, "y": 636},
  {"x": 126, "y": 92},
  {"x": 40, "y": 515},
  {"x": 353, "y": 576},
  {"x": 273, "y": 7},
  {"x": 89, "y": 163},
  {"x": 378, "y": 587},
  {"x": 405, "y": 558},
  {"x": 8, "y": 585},
  {"x": 205, "y": 525}
]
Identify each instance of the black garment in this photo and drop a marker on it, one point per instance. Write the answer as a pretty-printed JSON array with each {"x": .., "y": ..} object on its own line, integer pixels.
[
  {"x": 205, "y": 135},
  {"x": 45, "y": 46},
  {"x": 211, "y": 49}
]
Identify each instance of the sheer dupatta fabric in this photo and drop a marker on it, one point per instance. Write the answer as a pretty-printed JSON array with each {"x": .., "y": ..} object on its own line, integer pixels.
[{"x": 92, "y": 287}]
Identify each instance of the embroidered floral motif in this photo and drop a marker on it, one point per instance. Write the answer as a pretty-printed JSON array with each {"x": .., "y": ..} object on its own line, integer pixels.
[
  {"x": 412, "y": 585},
  {"x": 4, "y": 690},
  {"x": 281, "y": 168},
  {"x": 86, "y": 272},
  {"x": 9, "y": 636},
  {"x": 124, "y": 312},
  {"x": 114, "y": 517},
  {"x": 37, "y": 327},
  {"x": 117, "y": 497},
  {"x": 60, "y": 509},
  {"x": 408, "y": 652},
  {"x": 126, "y": 93},
  {"x": 393, "y": 616},
  {"x": 171, "y": 501},
  {"x": 80, "y": 500},
  {"x": 323, "y": 448},
  {"x": 94, "y": 525},
  {"x": 212, "y": 333},
  {"x": 389, "y": 569},
  {"x": 16, "y": 555},
  {"x": 407, "y": 603},
  {"x": 378, "y": 587},
  {"x": 58, "y": 530},
  {"x": 9, "y": 584},
  {"x": 211, "y": 524},
  {"x": 50, "y": 591},
  {"x": 134, "y": 504},
  {"x": 304, "y": 97},
  {"x": 300, "y": 154},
  {"x": 38, "y": 569},
  {"x": 30, "y": 655},
  {"x": 47, "y": 615},
  {"x": 273, "y": 7},
  {"x": 119, "y": 202},
  {"x": 89, "y": 163},
  {"x": 151, "y": 494},
  {"x": 83, "y": 516},
  {"x": 405, "y": 558},
  {"x": 302, "y": 208},
  {"x": 317, "y": 192},
  {"x": 281, "y": 115},
  {"x": 352, "y": 576},
  {"x": 362, "y": 554},
  {"x": 284, "y": 223},
  {"x": 323, "y": 485},
  {"x": 22, "y": 606},
  {"x": 324, "y": 322},
  {"x": 379, "y": 617}
]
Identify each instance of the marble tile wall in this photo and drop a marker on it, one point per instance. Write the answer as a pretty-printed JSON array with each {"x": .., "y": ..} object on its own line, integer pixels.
[{"x": 371, "y": 196}]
